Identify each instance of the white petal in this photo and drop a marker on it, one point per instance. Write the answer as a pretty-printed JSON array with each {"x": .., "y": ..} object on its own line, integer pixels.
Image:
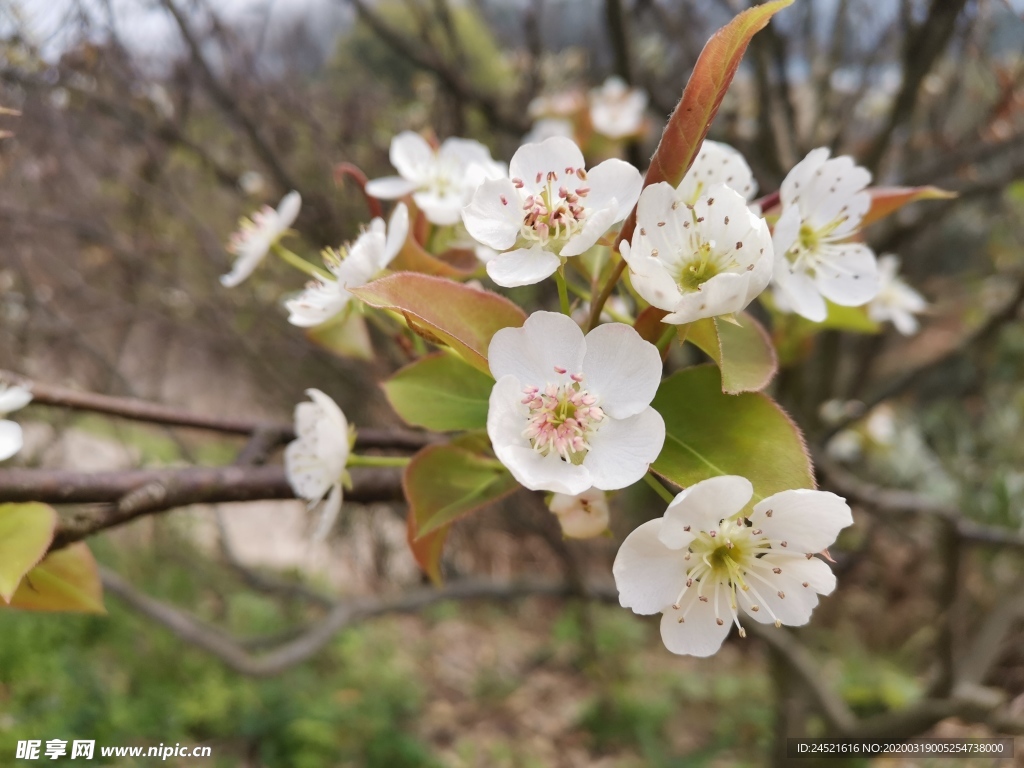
[
  {"x": 616, "y": 184},
  {"x": 583, "y": 516},
  {"x": 703, "y": 505},
  {"x": 523, "y": 266},
  {"x": 493, "y": 216},
  {"x": 700, "y": 634},
  {"x": 621, "y": 369},
  {"x": 412, "y": 156},
  {"x": 506, "y": 420},
  {"x": 848, "y": 274},
  {"x": 651, "y": 280},
  {"x": 288, "y": 211},
  {"x": 723, "y": 294},
  {"x": 466, "y": 152},
  {"x": 782, "y": 598},
  {"x": 787, "y": 230},
  {"x": 443, "y": 209},
  {"x": 10, "y": 439},
  {"x": 248, "y": 259},
  {"x": 13, "y": 398},
  {"x": 328, "y": 513},
  {"x": 836, "y": 192},
  {"x": 801, "y": 295},
  {"x": 904, "y": 322},
  {"x": 813, "y": 571},
  {"x": 808, "y": 521},
  {"x": 648, "y": 575},
  {"x": 547, "y": 340},
  {"x": 307, "y": 474},
  {"x": 533, "y": 162},
  {"x": 321, "y": 301},
  {"x": 717, "y": 163},
  {"x": 622, "y": 450},
  {"x": 597, "y": 223},
  {"x": 798, "y": 180},
  {"x": 390, "y": 187},
  {"x": 398, "y": 231}
]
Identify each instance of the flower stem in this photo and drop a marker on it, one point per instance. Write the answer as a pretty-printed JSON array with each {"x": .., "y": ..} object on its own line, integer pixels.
[
  {"x": 378, "y": 461},
  {"x": 598, "y": 304},
  {"x": 659, "y": 489},
  {"x": 584, "y": 294},
  {"x": 563, "y": 292},
  {"x": 294, "y": 260},
  {"x": 666, "y": 337}
]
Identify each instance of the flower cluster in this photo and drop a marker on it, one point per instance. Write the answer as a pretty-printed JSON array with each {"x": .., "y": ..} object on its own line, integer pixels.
[{"x": 11, "y": 399}]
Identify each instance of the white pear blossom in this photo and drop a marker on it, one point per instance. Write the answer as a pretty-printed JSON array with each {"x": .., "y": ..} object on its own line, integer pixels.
[
  {"x": 582, "y": 516},
  {"x": 441, "y": 181},
  {"x": 896, "y": 301},
  {"x": 11, "y": 399},
  {"x": 352, "y": 267},
  {"x": 564, "y": 104},
  {"x": 717, "y": 163},
  {"x": 568, "y": 413},
  {"x": 551, "y": 208},
  {"x": 823, "y": 202},
  {"x": 616, "y": 110},
  {"x": 702, "y": 260},
  {"x": 706, "y": 559},
  {"x": 315, "y": 461},
  {"x": 257, "y": 235}
]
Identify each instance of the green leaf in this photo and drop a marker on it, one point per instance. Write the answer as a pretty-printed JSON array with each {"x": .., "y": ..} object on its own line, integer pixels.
[
  {"x": 67, "y": 580},
  {"x": 743, "y": 353},
  {"x": 442, "y": 484},
  {"x": 712, "y": 74},
  {"x": 441, "y": 393},
  {"x": 345, "y": 336},
  {"x": 709, "y": 433},
  {"x": 445, "y": 312},
  {"x": 25, "y": 534},
  {"x": 887, "y": 200}
]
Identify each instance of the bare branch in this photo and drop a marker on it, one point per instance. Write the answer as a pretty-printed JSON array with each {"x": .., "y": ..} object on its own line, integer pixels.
[
  {"x": 155, "y": 413},
  {"x": 134, "y": 493},
  {"x": 340, "y": 617}
]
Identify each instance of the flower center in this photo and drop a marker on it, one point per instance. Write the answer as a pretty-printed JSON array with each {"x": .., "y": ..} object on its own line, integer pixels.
[
  {"x": 729, "y": 557},
  {"x": 701, "y": 267},
  {"x": 561, "y": 418},
  {"x": 554, "y": 214}
]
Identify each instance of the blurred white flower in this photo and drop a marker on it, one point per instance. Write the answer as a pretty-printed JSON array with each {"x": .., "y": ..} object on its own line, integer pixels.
[
  {"x": 582, "y": 516},
  {"x": 717, "y": 163},
  {"x": 568, "y": 413},
  {"x": 440, "y": 181},
  {"x": 252, "y": 183},
  {"x": 315, "y": 461},
  {"x": 352, "y": 267},
  {"x": 561, "y": 104},
  {"x": 256, "y": 236},
  {"x": 11, "y": 399},
  {"x": 845, "y": 446},
  {"x": 616, "y": 110},
  {"x": 704, "y": 560},
  {"x": 823, "y": 202},
  {"x": 694, "y": 261},
  {"x": 551, "y": 208},
  {"x": 547, "y": 127},
  {"x": 896, "y": 301}
]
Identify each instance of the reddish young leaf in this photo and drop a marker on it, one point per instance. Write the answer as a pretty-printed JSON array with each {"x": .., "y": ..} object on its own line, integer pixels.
[
  {"x": 442, "y": 484},
  {"x": 887, "y": 200},
  {"x": 712, "y": 74},
  {"x": 445, "y": 312}
]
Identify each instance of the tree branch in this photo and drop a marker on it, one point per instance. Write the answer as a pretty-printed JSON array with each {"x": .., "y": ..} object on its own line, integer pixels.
[
  {"x": 134, "y": 493},
  {"x": 156, "y": 413}
]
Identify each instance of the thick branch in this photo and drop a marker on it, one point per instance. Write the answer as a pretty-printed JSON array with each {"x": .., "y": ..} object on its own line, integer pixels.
[{"x": 134, "y": 493}]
